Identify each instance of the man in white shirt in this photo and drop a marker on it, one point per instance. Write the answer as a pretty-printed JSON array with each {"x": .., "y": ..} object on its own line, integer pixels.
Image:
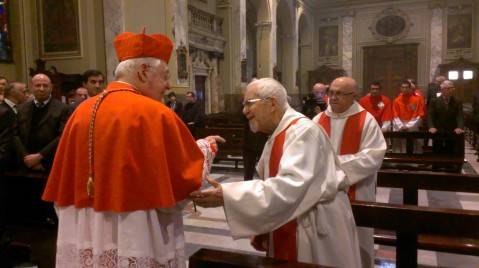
[
  {"x": 295, "y": 211},
  {"x": 357, "y": 139}
]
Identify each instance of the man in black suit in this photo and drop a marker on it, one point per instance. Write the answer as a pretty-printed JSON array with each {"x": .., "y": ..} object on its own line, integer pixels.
[
  {"x": 193, "y": 114},
  {"x": 174, "y": 104},
  {"x": 7, "y": 157},
  {"x": 14, "y": 95},
  {"x": 40, "y": 124},
  {"x": 445, "y": 115}
]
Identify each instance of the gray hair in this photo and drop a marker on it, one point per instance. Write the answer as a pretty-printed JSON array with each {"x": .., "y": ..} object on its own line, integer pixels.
[
  {"x": 269, "y": 87},
  {"x": 128, "y": 67},
  {"x": 447, "y": 83}
]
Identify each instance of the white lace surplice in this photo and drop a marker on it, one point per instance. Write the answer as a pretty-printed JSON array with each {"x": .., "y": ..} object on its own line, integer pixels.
[{"x": 140, "y": 239}]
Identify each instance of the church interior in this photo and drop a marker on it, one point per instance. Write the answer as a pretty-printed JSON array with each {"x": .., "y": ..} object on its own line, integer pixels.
[{"x": 427, "y": 203}]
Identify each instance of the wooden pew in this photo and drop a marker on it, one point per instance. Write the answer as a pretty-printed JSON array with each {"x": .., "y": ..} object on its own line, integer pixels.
[
  {"x": 30, "y": 222},
  {"x": 409, "y": 222},
  {"x": 232, "y": 149},
  {"x": 25, "y": 189},
  {"x": 411, "y": 182},
  {"x": 411, "y": 161},
  {"x": 221, "y": 259}
]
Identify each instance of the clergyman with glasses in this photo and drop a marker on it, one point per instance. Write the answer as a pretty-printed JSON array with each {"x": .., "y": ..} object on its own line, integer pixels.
[
  {"x": 297, "y": 195},
  {"x": 445, "y": 115},
  {"x": 357, "y": 139}
]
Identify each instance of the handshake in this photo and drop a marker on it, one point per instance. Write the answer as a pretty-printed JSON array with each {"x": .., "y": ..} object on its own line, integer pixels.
[{"x": 212, "y": 197}]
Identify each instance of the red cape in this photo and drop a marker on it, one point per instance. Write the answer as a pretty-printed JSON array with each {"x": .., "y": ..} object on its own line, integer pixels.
[
  {"x": 144, "y": 156},
  {"x": 381, "y": 113}
]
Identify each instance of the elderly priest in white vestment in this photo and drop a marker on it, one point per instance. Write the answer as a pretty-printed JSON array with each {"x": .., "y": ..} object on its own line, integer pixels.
[
  {"x": 295, "y": 211},
  {"x": 359, "y": 142}
]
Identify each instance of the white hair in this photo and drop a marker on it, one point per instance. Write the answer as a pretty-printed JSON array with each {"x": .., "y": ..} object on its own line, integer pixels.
[
  {"x": 269, "y": 87},
  {"x": 447, "y": 83},
  {"x": 128, "y": 67}
]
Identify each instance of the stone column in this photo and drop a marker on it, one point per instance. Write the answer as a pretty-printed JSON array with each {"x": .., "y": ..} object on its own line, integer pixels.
[
  {"x": 113, "y": 23},
  {"x": 231, "y": 64},
  {"x": 264, "y": 49},
  {"x": 347, "y": 42},
  {"x": 436, "y": 38},
  {"x": 242, "y": 18}
]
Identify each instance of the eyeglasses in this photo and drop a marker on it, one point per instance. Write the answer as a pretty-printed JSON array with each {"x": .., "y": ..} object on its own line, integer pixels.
[
  {"x": 339, "y": 94},
  {"x": 250, "y": 102}
]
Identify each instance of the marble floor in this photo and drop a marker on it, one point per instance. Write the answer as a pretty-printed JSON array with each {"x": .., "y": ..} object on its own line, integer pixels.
[{"x": 207, "y": 228}]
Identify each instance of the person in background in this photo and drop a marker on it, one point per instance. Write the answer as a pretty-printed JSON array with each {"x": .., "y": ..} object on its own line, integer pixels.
[
  {"x": 174, "y": 104},
  {"x": 378, "y": 106},
  {"x": 445, "y": 115},
  {"x": 193, "y": 114},
  {"x": 316, "y": 102},
  {"x": 40, "y": 124},
  {"x": 434, "y": 88},
  {"x": 359, "y": 143},
  {"x": 93, "y": 81},
  {"x": 3, "y": 85},
  {"x": 408, "y": 111}
]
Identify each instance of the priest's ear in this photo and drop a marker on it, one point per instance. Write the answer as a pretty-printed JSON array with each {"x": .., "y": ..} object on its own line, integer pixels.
[
  {"x": 143, "y": 72},
  {"x": 274, "y": 103}
]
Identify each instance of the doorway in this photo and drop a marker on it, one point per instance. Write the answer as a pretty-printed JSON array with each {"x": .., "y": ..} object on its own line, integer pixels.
[{"x": 389, "y": 64}]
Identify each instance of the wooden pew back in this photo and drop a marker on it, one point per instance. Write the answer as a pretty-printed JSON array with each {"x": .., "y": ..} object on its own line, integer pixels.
[
  {"x": 221, "y": 259},
  {"x": 455, "y": 159},
  {"x": 412, "y": 181},
  {"x": 409, "y": 221}
]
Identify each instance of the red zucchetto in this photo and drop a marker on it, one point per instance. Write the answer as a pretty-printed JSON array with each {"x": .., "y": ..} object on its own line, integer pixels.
[{"x": 130, "y": 45}]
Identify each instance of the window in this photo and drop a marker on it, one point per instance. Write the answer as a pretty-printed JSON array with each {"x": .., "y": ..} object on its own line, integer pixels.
[
  {"x": 453, "y": 75},
  {"x": 467, "y": 74}
]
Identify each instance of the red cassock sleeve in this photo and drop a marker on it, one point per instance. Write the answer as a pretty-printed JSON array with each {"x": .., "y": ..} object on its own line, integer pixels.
[{"x": 144, "y": 156}]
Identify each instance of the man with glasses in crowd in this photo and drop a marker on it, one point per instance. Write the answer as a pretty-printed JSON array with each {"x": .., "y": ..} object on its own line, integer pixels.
[
  {"x": 445, "y": 115},
  {"x": 359, "y": 143}
]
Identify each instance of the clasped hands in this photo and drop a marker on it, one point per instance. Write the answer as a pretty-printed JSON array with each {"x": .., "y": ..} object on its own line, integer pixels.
[
  {"x": 33, "y": 161},
  {"x": 212, "y": 197}
]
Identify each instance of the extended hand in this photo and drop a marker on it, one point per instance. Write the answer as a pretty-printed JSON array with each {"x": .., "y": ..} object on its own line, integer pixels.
[
  {"x": 208, "y": 198},
  {"x": 213, "y": 141},
  {"x": 432, "y": 130}
]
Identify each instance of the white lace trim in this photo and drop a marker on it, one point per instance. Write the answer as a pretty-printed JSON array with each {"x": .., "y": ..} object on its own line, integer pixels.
[
  {"x": 70, "y": 256},
  {"x": 205, "y": 148}
]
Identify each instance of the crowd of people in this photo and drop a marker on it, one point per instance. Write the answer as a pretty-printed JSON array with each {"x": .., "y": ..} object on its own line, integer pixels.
[
  {"x": 440, "y": 111},
  {"x": 120, "y": 177}
]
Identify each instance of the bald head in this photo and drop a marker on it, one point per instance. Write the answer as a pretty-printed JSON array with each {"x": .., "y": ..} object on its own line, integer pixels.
[
  {"x": 42, "y": 87},
  {"x": 440, "y": 79},
  {"x": 319, "y": 87},
  {"x": 345, "y": 84},
  {"x": 341, "y": 93}
]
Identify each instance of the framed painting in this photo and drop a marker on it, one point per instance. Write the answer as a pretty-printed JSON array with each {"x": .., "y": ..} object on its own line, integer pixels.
[
  {"x": 459, "y": 31},
  {"x": 5, "y": 37},
  {"x": 328, "y": 41},
  {"x": 59, "y": 29}
]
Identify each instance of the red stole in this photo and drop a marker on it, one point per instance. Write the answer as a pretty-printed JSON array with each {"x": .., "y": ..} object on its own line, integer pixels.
[
  {"x": 284, "y": 238},
  {"x": 351, "y": 140}
]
